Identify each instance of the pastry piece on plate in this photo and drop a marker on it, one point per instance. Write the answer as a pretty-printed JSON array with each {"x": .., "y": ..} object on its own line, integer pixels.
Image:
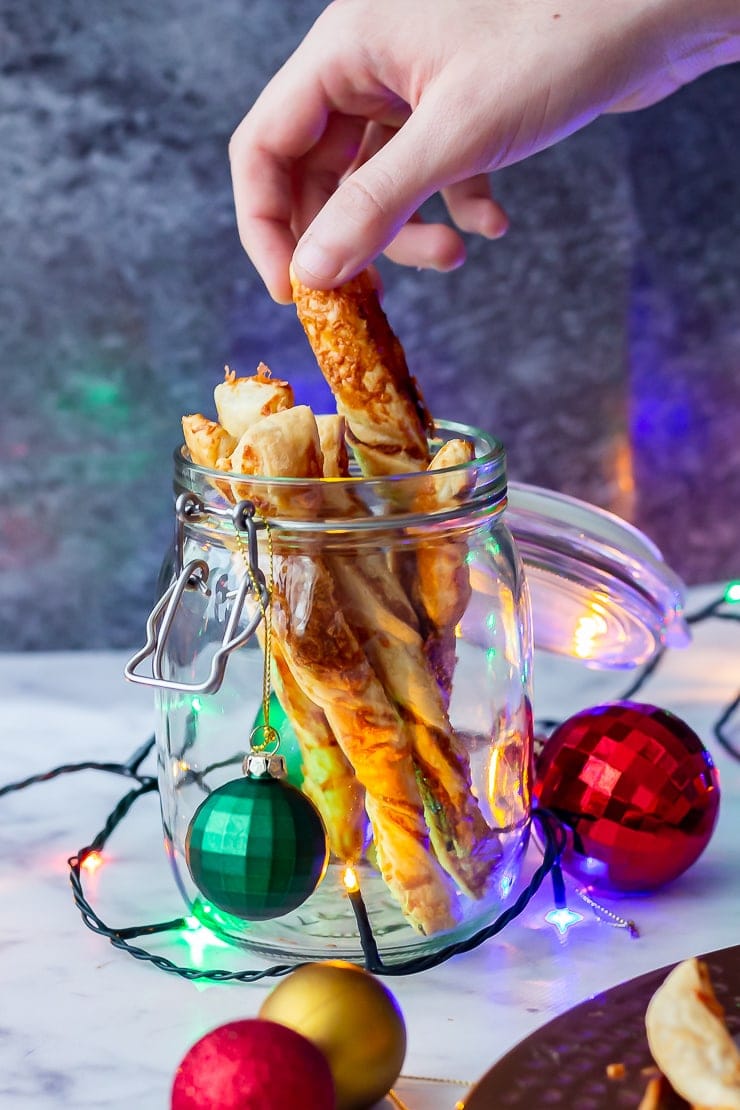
[
  {"x": 689, "y": 1039},
  {"x": 659, "y": 1095},
  {"x": 365, "y": 366}
]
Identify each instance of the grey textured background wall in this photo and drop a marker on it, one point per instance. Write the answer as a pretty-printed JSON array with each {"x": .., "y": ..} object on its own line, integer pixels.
[{"x": 600, "y": 339}]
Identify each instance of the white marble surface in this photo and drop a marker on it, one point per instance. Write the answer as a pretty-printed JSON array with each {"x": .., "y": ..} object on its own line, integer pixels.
[{"x": 84, "y": 1025}]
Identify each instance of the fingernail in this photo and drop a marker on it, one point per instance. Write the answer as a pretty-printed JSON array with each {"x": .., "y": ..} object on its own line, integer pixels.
[
  {"x": 496, "y": 229},
  {"x": 315, "y": 260}
]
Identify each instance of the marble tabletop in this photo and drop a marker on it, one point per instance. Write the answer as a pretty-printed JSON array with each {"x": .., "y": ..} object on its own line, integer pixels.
[{"x": 84, "y": 1025}]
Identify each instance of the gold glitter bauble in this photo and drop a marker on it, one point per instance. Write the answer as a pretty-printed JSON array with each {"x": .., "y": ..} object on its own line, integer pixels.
[{"x": 355, "y": 1021}]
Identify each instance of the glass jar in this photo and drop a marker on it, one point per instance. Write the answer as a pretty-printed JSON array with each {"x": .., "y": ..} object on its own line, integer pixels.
[{"x": 401, "y": 660}]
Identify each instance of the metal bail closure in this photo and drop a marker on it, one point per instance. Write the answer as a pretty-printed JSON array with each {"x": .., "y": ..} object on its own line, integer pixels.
[{"x": 194, "y": 575}]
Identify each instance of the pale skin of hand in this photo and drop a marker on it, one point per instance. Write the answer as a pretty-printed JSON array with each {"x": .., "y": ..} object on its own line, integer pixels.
[{"x": 386, "y": 102}]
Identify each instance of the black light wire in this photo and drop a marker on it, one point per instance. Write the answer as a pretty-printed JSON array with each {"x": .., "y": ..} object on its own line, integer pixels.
[
  {"x": 552, "y": 833},
  {"x": 553, "y": 839},
  {"x": 553, "y": 843}
]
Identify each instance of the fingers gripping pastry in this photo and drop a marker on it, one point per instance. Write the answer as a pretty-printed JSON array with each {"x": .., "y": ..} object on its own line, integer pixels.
[
  {"x": 690, "y": 1041},
  {"x": 364, "y": 364},
  {"x": 382, "y": 619}
]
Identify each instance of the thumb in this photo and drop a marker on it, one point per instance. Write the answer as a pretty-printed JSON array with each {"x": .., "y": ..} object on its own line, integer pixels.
[{"x": 368, "y": 209}]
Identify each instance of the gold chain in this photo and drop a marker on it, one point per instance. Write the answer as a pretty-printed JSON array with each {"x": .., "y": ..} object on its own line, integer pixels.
[
  {"x": 436, "y": 1079},
  {"x": 268, "y": 732}
]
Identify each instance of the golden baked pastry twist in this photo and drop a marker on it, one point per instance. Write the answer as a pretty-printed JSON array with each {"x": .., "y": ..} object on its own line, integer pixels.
[
  {"x": 332, "y": 671},
  {"x": 364, "y": 364},
  {"x": 329, "y": 779}
]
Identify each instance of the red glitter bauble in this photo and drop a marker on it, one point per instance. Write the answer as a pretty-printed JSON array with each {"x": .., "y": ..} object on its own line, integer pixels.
[
  {"x": 637, "y": 790},
  {"x": 253, "y": 1065}
]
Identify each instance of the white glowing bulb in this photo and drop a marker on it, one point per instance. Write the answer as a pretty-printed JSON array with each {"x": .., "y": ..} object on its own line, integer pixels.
[{"x": 589, "y": 629}]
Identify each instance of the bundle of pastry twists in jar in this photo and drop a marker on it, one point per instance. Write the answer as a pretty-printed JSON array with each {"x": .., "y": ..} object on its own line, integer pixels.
[{"x": 363, "y": 641}]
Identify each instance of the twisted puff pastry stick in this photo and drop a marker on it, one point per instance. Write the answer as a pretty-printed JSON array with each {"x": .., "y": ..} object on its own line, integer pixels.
[
  {"x": 384, "y": 622},
  {"x": 440, "y": 589},
  {"x": 331, "y": 669},
  {"x": 329, "y": 780},
  {"x": 364, "y": 365}
]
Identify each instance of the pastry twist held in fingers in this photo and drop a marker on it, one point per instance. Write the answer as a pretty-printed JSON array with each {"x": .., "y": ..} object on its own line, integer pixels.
[{"x": 365, "y": 366}]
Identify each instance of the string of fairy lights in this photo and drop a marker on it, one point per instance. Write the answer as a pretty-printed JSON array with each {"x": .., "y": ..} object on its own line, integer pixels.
[{"x": 552, "y": 839}]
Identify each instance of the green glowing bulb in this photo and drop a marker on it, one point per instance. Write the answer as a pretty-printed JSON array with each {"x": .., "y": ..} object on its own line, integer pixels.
[{"x": 732, "y": 593}]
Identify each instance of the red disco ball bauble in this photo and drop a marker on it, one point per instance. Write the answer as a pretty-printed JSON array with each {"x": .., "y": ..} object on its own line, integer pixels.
[
  {"x": 253, "y": 1065},
  {"x": 637, "y": 791}
]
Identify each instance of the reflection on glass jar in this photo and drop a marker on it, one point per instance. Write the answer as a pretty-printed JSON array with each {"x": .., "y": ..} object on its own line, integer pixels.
[{"x": 401, "y": 656}]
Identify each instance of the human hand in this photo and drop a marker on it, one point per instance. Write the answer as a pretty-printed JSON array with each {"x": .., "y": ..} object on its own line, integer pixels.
[{"x": 386, "y": 102}]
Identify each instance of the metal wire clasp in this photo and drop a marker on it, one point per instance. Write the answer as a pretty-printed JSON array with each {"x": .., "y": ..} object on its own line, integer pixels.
[{"x": 194, "y": 576}]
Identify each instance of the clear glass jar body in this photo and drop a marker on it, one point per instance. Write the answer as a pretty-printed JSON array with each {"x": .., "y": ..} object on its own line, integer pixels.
[{"x": 401, "y": 648}]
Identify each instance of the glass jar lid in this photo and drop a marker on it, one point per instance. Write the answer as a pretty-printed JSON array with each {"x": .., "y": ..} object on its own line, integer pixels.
[{"x": 601, "y": 590}]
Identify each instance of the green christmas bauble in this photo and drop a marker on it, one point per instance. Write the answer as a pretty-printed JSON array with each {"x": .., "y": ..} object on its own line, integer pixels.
[{"x": 256, "y": 847}]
